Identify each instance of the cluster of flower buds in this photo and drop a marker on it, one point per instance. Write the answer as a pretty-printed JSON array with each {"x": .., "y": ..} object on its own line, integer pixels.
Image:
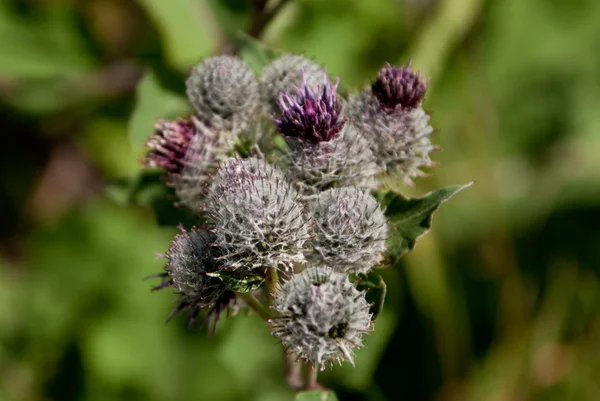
[{"x": 295, "y": 227}]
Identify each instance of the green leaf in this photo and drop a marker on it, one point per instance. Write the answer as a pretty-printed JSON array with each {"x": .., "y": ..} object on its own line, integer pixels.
[
  {"x": 147, "y": 189},
  {"x": 186, "y": 27},
  {"x": 316, "y": 395},
  {"x": 152, "y": 103},
  {"x": 253, "y": 52},
  {"x": 375, "y": 286},
  {"x": 238, "y": 282},
  {"x": 411, "y": 217}
]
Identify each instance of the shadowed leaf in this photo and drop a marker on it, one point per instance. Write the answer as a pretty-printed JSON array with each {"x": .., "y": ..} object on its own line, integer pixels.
[{"x": 411, "y": 217}]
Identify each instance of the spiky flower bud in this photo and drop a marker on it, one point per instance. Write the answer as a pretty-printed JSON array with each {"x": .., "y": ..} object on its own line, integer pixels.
[
  {"x": 398, "y": 138},
  {"x": 190, "y": 152},
  {"x": 285, "y": 73},
  {"x": 256, "y": 217},
  {"x": 322, "y": 316},
  {"x": 309, "y": 117},
  {"x": 169, "y": 143},
  {"x": 350, "y": 230},
  {"x": 346, "y": 160},
  {"x": 223, "y": 91},
  {"x": 399, "y": 86},
  {"x": 189, "y": 258}
]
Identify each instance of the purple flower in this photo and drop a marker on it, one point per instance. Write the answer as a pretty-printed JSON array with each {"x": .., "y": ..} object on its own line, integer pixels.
[
  {"x": 309, "y": 117},
  {"x": 399, "y": 86},
  {"x": 169, "y": 143}
]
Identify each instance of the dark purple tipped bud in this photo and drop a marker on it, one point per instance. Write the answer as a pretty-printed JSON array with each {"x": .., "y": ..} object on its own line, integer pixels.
[
  {"x": 309, "y": 117},
  {"x": 399, "y": 86},
  {"x": 169, "y": 143}
]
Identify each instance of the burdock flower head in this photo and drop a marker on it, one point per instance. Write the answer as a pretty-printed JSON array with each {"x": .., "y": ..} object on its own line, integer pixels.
[
  {"x": 256, "y": 217},
  {"x": 223, "y": 91},
  {"x": 392, "y": 119},
  {"x": 285, "y": 72},
  {"x": 322, "y": 316},
  {"x": 190, "y": 153},
  {"x": 350, "y": 230},
  {"x": 399, "y": 86},
  {"x": 190, "y": 259},
  {"x": 169, "y": 143},
  {"x": 308, "y": 117}
]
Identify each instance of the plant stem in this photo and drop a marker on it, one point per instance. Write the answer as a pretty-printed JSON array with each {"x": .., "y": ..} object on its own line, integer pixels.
[
  {"x": 256, "y": 306},
  {"x": 293, "y": 371},
  {"x": 310, "y": 377},
  {"x": 273, "y": 281}
]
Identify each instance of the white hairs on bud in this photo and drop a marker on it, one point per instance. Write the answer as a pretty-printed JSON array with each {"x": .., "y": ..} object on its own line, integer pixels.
[{"x": 322, "y": 316}]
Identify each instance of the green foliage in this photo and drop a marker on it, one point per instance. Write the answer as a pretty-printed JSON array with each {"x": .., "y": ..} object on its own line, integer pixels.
[
  {"x": 153, "y": 103},
  {"x": 188, "y": 32},
  {"x": 316, "y": 395},
  {"x": 411, "y": 217},
  {"x": 376, "y": 289}
]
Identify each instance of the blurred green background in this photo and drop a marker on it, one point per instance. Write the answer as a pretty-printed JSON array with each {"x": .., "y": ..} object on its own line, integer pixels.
[{"x": 500, "y": 301}]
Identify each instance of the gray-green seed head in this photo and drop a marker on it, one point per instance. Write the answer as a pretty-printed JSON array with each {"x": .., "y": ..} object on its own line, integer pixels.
[
  {"x": 398, "y": 138},
  {"x": 203, "y": 153},
  {"x": 256, "y": 217},
  {"x": 223, "y": 91},
  {"x": 350, "y": 230},
  {"x": 346, "y": 160},
  {"x": 189, "y": 258},
  {"x": 284, "y": 75},
  {"x": 322, "y": 316}
]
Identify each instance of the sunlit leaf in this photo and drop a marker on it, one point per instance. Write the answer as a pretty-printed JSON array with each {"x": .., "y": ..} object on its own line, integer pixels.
[
  {"x": 187, "y": 29},
  {"x": 152, "y": 103}
]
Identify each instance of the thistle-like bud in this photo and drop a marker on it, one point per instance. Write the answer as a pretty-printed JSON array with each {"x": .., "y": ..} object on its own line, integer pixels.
[
  {"x": 346, "y": 160},
  {"x": 189, "y": 258},
  {"x": 308, "y": 117},
  {"x": 285, "y": 73},
  {"x": 322, "y": 316},
  {"x": 399, "y": 86},
  {"x": 190, "y": 152},
  {"x": 169, "y": 143},
  {"x": 398, "y": 138},
  {"x": 223, "y": 91},
  {"x": 350, "y": 230},
  {"x": 256, "y": 217}
]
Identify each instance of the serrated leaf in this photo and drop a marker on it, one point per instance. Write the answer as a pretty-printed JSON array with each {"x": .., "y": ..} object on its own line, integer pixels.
[
  {"x": 316, "y": 395},
  {"x": 411, "y": 217},
  {"x": 238, "y": 282},
  {"x": 376, "y": 289},
  {"x": 253, "y": 52},
  {"x": 153, "y": 102}
]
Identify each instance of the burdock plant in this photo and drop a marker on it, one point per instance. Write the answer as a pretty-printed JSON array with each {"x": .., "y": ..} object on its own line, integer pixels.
[{"x": 294, "y": 230}]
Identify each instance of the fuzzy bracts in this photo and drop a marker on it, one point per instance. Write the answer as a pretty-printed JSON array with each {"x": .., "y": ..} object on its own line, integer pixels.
[
  {"x": 286, "y": 74},
  {"x": 322, "y": 316},
  {"x": 398, "y": 138},
  {"x": 224, "y": 92},
  {"x": 256, "y": 217},
  {"x": 350, "y": 230},
  {"x": 190, "y": 258},
  {"x": 347, "y": 160}
]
